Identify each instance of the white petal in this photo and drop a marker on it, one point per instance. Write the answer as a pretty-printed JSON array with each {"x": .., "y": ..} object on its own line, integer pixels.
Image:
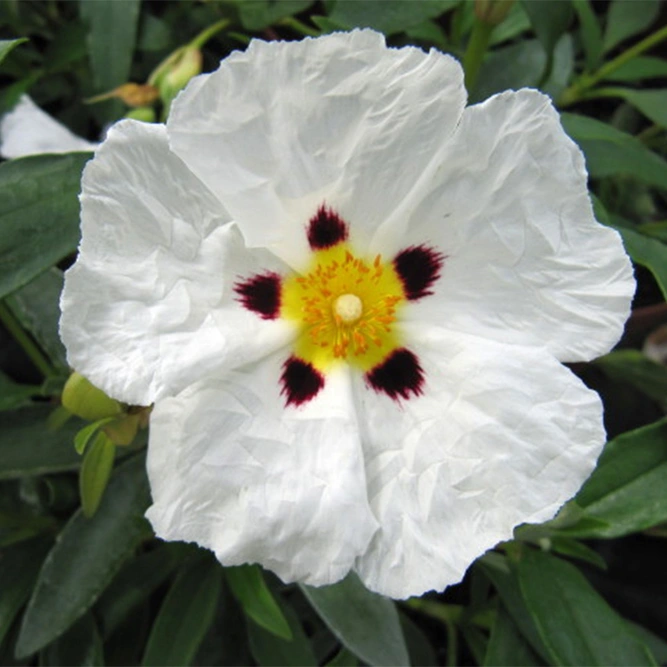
[
  {"x": 342, "y": 119},
  {"x": 27, "y": 130},
  {"x": 149, "y": 306},
  {"x": 502, "y": 435},
  {"x": 233, "y": 471},
  {"x": 526, "y": 262}
]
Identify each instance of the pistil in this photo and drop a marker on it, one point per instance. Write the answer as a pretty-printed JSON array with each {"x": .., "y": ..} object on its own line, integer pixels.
[{"x": 346, "y": 306}]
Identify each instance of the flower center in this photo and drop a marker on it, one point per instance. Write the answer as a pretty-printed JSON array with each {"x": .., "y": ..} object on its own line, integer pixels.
[
  {"x": 345, "y": 307},
  {"x": 348, "y": 307}
]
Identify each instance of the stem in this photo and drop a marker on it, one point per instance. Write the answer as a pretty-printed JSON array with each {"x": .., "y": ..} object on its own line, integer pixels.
[
  {"x": 472, "y": 60},
  {"x": 299, "y": 26},
  {"x": 632, "y": 52},
  {"x": 575, "y": 92},
  {"x": 447, "y": 613},
  {"x": 12, "y": 325},
  {"x": 608, "y": 91},
  {"x": 452, "y": 645},
  {"x": 207, "y": 33},
  {"x": 651, "y": 132},
  {"x": 450, "y": 615}
]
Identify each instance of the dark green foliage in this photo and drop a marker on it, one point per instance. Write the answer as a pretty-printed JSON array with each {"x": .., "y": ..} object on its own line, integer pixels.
[
  {"x": 366, "y": 623},
  {"x": 186, "y": 613},
  {"x": 85, "y": 558},
  {"x": 585, "y": 588},
  {"x": 38, "y": 215}
]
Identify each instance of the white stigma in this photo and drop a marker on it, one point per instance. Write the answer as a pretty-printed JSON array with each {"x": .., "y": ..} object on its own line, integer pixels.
[{"x": 348, "y": 307}]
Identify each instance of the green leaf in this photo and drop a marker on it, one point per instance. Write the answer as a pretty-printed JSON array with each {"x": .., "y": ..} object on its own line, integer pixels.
[
  {"x": 507, "y": 646},
  {"x": 648, "y": 252},
  {"x": 86, "y": 556},
  {"x": 652, "y": 103},
  {"x": 95, "y": 472},
  {"x": 364, "y": 622},
  {"x": 14, "y": 395},
  {"x": 6, "y": 45},
  {"x": 627, "y": 18},
  {"x": 575, "y": 549},
  {"x": 637, "y": 69},
  {"x": 27, "y": 447},
  {"x": 67, "y": 48},
  {"x": 515, "y": 66},
  {"x": 85, "y": 435},
  {"x": 561, "y": 68},
  {"x": 80, "y": 645},
  {"x": 627, "y": 489},
  {"x": 268, "y": 649},
  {"x": 638, "y": 370},
  {"x": 610, "y": 152},
  {"x": 20, "y": 565},
  {"x": 516, "y": 22},
  {"x": 428, "y": 32},
  {"x": 37, "y": 307},
  {"x": 259, "y": 14},
  {"x": 655, "y": 644},
  {"x": 591, "y": 34},
  {"x": 574, "y": 622},
  {"x": 112, "y": 36},
  {"x": 505, "y": 581},
  {"x": 134, "y": 583},
  {"x": 419, "y": 647},
  {"x": 345, "y": 658},
  {"x": 388, "y": 17},
  {"x": 39, "y": 215},
  {"x": 154, "y": 34},
  {"x": 326, "y": 25},
  {"x": 549, "y": 20},
  {"x": 185, "y": 615},
  {"x": 656, "y": 230},
  {"x": 249, "y": 588}
]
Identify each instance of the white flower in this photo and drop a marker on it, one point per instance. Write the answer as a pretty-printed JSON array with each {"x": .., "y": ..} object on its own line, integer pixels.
[
  {"x": 27, "y": 130},
  {"x": 349, "y": 298}
]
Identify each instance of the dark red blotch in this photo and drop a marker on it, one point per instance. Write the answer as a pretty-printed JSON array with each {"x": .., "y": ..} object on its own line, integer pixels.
[
  {"x": 300, "y": 381},
  {"x": 399, "y": 376},
  {"x": 261, "y": 294},
  {"x": 418, "y": 267},
  {"x": 326, "y": 229}
]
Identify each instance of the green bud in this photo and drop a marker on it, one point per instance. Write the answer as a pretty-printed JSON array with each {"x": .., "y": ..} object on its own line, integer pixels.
[
  {"x": 145, "y": 114},
  {"x": 187, "y": 66},
  {"x": 492, "y": 12},
  {"x": 180, "y": 67},
  {"x": 81, "y": 398}
]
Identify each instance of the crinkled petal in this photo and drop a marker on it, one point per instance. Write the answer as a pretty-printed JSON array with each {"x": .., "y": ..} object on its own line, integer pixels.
[
  {"x": 286, "y": 126},
  {"x": 27, "y": 130},
  {"x": 149, "y": 307},
  {"x": 526, "y": 262},
  {"x": 231, "y": 470},
  {"x": 501, "y": 435}
]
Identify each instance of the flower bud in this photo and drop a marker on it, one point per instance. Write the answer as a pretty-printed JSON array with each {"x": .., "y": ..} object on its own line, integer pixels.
[
  {"x": 84, "y": 400},
  {"x": 188, "y": 65},
  {"x": 175, "y": 72},
  {"x": 492, "y": 12},
  {"x": 144, "y": 114}
]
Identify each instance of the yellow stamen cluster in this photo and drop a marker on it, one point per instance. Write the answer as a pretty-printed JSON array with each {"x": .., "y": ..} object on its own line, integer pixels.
[{"x": 345, "y": 306}]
